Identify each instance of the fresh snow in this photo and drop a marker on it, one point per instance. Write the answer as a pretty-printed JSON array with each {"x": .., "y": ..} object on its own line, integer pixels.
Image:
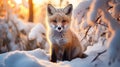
[
  {"x": 36, "y": 32},
  {"x": 30, "y": 59},
  {"x": 39, "y": 58}
]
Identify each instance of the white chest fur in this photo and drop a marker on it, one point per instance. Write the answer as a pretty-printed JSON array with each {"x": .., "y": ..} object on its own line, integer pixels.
[{"x": 58, "y": 40}]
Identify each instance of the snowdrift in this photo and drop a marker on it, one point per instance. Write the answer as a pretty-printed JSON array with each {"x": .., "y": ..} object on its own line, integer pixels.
[{"x": 39, "y": 58}]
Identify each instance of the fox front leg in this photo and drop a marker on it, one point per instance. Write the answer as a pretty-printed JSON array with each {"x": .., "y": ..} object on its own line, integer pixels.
[{"x": 53, "y": 56}]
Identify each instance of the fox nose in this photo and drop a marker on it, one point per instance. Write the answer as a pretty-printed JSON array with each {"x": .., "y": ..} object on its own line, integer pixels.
[{"x": 59, "y": 28}]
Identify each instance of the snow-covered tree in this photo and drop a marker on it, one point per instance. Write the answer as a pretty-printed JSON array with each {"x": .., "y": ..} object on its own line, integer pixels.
[{"x": 100, "y": 19}]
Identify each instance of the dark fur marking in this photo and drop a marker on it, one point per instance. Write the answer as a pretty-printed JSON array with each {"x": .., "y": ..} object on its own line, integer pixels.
[
  {"x": 84, "y": 55},
  {"x": 65, "y": 56},
  {"x": 69, "y": 11},
  {"x": 49, "y": 10},
  {"x": 53, "y": 57}
]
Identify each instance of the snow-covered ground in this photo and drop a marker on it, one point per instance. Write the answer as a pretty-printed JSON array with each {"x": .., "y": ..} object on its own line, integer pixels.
[{"x": 38, "y": 58}]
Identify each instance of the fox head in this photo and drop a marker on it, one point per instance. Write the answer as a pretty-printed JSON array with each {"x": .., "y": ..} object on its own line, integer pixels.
[{"x": 59, "y": 19}]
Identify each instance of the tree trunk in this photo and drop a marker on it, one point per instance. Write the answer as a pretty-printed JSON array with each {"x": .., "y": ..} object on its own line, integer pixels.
[
  {"x": 30, "y": 11},
  {"x": 61, "y": 2}
]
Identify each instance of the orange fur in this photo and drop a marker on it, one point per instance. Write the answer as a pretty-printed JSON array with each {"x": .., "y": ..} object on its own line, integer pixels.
[{"x": 66, "y": 45}]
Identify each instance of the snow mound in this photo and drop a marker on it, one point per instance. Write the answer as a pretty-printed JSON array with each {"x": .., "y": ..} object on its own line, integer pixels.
[
  {"x": 80, "y": 62},
  {"x": 39, "y": 58},
  {"x": 21, "y": 59},
  {"x": 39, "y": 53},
  {"x": 36, "y": 32}
]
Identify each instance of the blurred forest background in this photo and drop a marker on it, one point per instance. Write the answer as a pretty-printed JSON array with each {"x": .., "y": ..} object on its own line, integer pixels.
[{"x": 20, "y": 21}]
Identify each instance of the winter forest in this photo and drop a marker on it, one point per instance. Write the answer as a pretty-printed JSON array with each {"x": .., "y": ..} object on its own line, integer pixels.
[{"x": 23, "y": 33}]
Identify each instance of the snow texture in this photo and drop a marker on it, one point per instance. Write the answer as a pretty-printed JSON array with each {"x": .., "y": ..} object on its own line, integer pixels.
[
  {"x": 36, "y": 32},
  {"x": 21, "y": 25},
  {"x": 113, "y": 25},
  {"x": 39, "y": 58}
]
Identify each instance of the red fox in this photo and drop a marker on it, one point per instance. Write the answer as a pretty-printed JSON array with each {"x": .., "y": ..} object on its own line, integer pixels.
[{"x": 64, "y": 43}]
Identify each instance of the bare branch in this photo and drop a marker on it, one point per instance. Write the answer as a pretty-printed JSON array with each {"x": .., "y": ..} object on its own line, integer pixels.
[
  {"x": 98, "y": 55},
  {"x": 103, "y": 25},
  {"x": 89, "y": 29},
  {"x": 86, "y": 33}
]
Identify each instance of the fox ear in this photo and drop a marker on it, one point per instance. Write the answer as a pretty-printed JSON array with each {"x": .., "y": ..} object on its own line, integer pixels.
[
  {"x": 68, "y": 9},
  {"x": 50, "y": 9}
]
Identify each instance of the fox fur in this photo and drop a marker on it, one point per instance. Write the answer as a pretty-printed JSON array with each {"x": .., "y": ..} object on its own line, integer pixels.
[{"x": 64, "y": 43}]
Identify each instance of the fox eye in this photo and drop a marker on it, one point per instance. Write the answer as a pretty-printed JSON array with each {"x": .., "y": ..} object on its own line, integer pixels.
[
  {"x": 63, "y": 21},
  {"x": 55, "y": 21}
]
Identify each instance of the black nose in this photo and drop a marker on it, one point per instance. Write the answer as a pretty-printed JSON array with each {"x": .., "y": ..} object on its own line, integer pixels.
[{"x": 59, "y": 28}]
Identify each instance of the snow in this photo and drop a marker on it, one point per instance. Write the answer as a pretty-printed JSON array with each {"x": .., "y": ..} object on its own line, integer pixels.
[
  {"x": 98, "y": 6},
  {"x": 116, "y": 10},
  {"x": 21, "y": 25},
  {"x": 20, "y": 59},
  {"x": 81, "y": 9},
  {"x": 36, "y": 32},
  {"x": 37, "y": 58},
  {"x": 23, "y": 59}
]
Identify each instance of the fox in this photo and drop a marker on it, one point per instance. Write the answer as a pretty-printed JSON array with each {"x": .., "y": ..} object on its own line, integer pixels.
[{"x": 64, "y": 43}]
